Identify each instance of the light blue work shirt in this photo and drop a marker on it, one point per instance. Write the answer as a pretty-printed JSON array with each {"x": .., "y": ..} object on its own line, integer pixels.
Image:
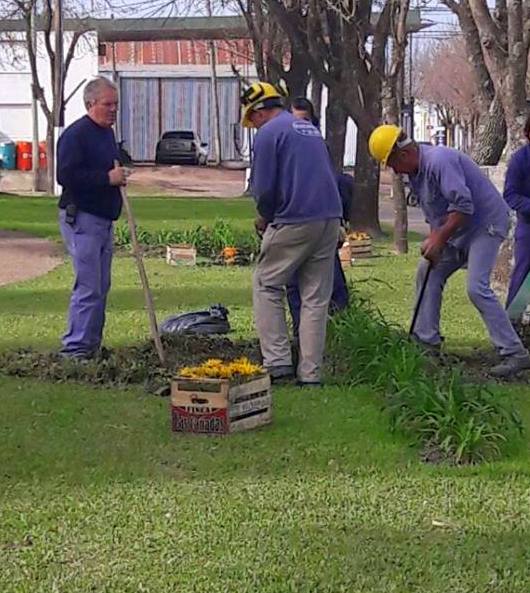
[{"x": 448, "y": 181}]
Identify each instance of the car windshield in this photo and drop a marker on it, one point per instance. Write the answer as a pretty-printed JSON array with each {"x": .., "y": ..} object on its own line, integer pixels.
[{"x": 178, "y": 135}]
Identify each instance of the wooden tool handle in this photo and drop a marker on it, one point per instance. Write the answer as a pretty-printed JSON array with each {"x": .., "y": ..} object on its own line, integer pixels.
[{"x": 137, "y": 252}]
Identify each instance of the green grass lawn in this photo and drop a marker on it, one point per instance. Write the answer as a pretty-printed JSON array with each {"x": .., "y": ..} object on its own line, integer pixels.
[
  {"x": 38, "y": 216},
  {"x": 96, "y": 493}
]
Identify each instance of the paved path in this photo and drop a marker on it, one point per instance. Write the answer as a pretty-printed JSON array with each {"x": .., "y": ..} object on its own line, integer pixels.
[
  {"x": 416, "y": 221},
  {"x": 23, "y": 257}
]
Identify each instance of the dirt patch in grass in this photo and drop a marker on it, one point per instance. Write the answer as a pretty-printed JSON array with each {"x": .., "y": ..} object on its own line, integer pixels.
[
  {"x": 25, "y": 257},
  {"x": 477, "y": 364},
  {"x": 186, "y": 181},
  {"x": 131, "y": 365}
]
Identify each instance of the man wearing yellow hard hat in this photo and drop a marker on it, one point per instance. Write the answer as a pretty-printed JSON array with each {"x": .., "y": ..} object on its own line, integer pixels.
[
  {"x": 469, "y": 220},
  {"x": 299, "y": 211}
]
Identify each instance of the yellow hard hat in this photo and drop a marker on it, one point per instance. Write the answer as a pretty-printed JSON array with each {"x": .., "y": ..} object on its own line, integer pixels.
[
  {"x": 382, "y": 140},
  {"x": 255, "y": 95}
]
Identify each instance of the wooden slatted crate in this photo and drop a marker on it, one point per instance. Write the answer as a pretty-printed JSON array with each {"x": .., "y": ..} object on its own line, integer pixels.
[
  {"x": 360, "y": 247},
  {"x": 217, "y": 406},
  {"x": 184, "y": 254}
]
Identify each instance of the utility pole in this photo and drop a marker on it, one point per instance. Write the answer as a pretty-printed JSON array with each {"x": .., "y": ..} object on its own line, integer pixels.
[
  {"x": 58, "y": 75},
  {"x": 34, "y": 106},
  {"x": 214, "y": 93}
]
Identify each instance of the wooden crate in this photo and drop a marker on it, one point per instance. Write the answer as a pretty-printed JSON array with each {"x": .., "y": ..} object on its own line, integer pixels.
[
  {"x": 345, "y": 254},
  {"x": 181, "y": 254},
  {"x": 360, "y": 247},
  {"x": 216, "y": 406}
]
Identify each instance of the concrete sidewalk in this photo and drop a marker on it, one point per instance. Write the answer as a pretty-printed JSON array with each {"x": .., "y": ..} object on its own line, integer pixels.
[{"x": 416, "y": 220}]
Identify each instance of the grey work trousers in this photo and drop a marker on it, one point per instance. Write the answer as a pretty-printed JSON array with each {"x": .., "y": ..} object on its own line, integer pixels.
[
  {"x": 480, "y": 259},
  {"x": 307, "y": 249}
]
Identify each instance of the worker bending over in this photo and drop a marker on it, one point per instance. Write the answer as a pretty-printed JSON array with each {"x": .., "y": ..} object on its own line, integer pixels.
[
  {"x": 299, "y": 210},
  {"x": 469, "y": 220}
]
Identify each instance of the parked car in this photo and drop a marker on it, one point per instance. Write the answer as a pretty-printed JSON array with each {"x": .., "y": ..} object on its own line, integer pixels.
[{"x": 181, "y": 146}]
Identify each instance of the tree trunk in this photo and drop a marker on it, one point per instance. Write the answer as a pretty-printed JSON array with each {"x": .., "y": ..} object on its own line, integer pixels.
[
  {"x": 297, "y": 77},
  {"x": 516, "y": 107},
  {"x": 365, "y": 208},
  {"x": 393, "y": 94},
  {"x": 489, "y": 138},
  {"x": 316, "y": 96},
  {"x": 401, "y": 220},
  {"x": 336, "y": 121},
  {"x": 515, "y": 118},
  {"x": 50, "y": 148}
]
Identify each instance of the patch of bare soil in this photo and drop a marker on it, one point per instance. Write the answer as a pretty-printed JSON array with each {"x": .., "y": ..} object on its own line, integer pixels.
[
  {"x": 131, "y": 365},
  {"x": 24, "y": 257},
  {"x": 188, "y": 181},
  {"x": 477, "y": 365}
]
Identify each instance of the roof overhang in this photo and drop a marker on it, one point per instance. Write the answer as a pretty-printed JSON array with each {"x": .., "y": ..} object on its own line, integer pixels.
[{"x": 173, "y": 28}]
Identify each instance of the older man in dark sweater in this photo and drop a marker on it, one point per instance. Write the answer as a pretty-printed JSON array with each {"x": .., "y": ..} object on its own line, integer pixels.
[{"x": 87, "y": 170}]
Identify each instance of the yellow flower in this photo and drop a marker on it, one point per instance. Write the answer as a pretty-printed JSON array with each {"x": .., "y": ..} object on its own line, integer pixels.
[
  {"x": 358, "y": 236},
  {"x": 215, "y": 368}
]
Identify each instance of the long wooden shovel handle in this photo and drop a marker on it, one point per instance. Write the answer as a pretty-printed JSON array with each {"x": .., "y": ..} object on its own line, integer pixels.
[
  {"x": 137, "y": 252},
  {"x": 420, "y": 299}
]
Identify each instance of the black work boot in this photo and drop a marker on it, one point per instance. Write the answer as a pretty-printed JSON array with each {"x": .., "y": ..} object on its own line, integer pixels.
[
  {"x": 511, "y": 365},
  {"x": 280, "y": 374},
  {"x": 434, "y": 350}
]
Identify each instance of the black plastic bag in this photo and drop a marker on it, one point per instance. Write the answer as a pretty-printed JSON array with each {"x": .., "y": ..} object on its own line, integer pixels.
[{"x": 212, "y": 321}]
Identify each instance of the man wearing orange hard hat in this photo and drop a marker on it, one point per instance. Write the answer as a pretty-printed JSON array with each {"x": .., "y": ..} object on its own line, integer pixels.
[{"x": 469, "y": 220}]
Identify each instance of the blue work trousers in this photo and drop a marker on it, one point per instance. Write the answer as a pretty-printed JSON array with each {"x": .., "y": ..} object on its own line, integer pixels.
[
  {"x": 479, "y": 259},
  {"x": 89, "y": 243},
  {"x": 521, "y": 252}
]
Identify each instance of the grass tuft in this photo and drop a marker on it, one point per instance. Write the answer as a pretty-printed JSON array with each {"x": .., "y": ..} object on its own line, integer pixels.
[{"x": 455, "y": 420}]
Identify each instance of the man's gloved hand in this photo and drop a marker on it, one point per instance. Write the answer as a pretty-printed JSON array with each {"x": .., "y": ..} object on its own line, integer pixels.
[
  {"x": 260, "y": 224},
  {"x": 433, "y": 246}
]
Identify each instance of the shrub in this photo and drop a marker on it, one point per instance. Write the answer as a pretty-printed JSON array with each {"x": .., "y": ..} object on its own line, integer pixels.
[
  {"x": 209, "y": 241},
  {"x": 459, "y": 421},
  {"x": 122, "y": 236}
]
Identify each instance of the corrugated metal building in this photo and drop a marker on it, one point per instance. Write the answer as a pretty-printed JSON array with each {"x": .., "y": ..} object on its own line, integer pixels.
[
  {"x": 151, "y": 106},
  {"x": 165, "y": 85}
]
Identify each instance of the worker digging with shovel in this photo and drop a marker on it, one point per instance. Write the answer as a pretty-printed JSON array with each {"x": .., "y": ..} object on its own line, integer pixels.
[{"x": 469, "y": 220}]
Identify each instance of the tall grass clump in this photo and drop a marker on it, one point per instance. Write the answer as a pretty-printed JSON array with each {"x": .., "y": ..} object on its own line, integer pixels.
[{"x": 451, "y": 418}]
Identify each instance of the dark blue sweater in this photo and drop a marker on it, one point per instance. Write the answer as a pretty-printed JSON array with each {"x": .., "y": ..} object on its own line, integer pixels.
[
  {"x": 517, "y": 184},
  {"x": 85, "y": 154},
  {"x": 292, "y": 179}
]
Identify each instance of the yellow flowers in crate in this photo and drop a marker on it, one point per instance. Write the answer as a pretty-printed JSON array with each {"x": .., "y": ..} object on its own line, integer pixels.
[
  {"x": 358, "y": 236},
  {"x": 215, "y": 368}
]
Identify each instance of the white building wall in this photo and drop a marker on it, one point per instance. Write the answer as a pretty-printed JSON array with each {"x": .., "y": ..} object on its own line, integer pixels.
[
  {"x": 350, "y": 145},
  {"x": 426, "y": 122},
  {"x": 15, "y": 86},
  {"x": 15, "y": 105}
]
